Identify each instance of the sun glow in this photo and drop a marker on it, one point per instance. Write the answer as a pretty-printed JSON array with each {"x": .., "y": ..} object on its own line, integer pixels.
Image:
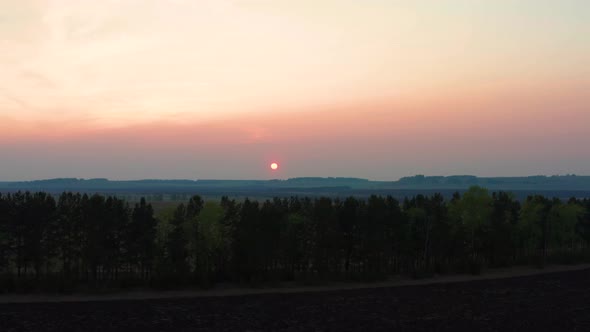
[{"x": 274, "y": 166}]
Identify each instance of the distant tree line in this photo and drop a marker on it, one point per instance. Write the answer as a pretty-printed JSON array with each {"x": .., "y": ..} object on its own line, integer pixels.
[{"x": 96, "y": 241}]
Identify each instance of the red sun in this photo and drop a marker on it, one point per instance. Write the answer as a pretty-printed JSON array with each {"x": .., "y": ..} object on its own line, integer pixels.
[{"x": 274, "y": 166}]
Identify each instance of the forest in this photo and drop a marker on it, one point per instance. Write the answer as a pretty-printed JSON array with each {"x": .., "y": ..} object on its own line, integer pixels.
[{"x": 76, "y": 241}]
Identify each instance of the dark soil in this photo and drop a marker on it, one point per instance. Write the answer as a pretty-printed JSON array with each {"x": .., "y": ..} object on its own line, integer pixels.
[{"x": 549, "y": 302}]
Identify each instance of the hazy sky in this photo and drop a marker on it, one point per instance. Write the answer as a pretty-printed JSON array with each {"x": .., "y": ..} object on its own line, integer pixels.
[{"x": 380, "y": 89}]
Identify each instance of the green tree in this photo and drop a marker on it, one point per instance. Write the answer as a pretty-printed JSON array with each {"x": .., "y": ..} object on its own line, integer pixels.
[
  {"x": 583, "y": 224},
  {"x": 193, "y": 210},
  {"x": 534, "y": 226},
  {"x": 563, "y": 219},
  {"x": 207, "y": 243},
  {"x": 473, "y": 214},
  {"x": 228, "y": 226}
]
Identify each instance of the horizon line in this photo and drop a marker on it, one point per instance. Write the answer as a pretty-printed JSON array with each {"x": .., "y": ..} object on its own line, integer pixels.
[{"x": 292, "y": 178}]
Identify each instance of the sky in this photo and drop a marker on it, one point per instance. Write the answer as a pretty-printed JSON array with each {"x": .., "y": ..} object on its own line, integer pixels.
[{"x": 378, "y": 89}]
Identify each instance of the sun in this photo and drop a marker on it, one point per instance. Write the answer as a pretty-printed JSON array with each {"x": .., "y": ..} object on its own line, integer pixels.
[{"x": 274, "y": 166}]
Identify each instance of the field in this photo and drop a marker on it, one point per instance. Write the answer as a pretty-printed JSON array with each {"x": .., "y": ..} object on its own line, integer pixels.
[{"x": 557, "y": 301}]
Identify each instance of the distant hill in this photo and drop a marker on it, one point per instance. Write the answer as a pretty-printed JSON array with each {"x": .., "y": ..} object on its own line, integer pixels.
[
  {"x": 569, "y": 182},
  {"x": 561, "y": 186}
]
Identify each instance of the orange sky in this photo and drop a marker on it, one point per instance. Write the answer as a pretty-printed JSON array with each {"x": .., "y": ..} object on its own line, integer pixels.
[{"x": 219, "y": 89}]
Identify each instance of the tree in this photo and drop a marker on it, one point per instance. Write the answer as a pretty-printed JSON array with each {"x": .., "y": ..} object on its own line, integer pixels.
[
  {"x": 177, "y": 243},
  {"x": 348, "y": 215},
  {"x": 247, "y": 252},
  {"x": 419, "y": 231},
  {"x": 502, "y": 240},
  {"x": 273, "y": 219},
  {"x": 374, "y": 237},
  {"x": 397, "y": 234},
  {"x": 67, "y": 233},
  {"x": 437, "y": 247},
  {"x": 94, "y": 215},
  {"x": 193, "y": 209},
  {"x": 563, "y": 219},
  {"x": 326, "y": 250},
  {"x": 583, "y": 224},
  {"x": 534, "y": 225},
  {"x": 114, "y": 226},
  {"x": 18, "y": 229},
  {"x": 228, "y": 225},
  {"x": 293, "y": 244},
  {"x": 208, "y": 244},
  {"x": 140, "y": 237},
  {"x": 5, "y": 234},
  {"x": 473, "y": 213},
  {"x": 91, "y": 239}
]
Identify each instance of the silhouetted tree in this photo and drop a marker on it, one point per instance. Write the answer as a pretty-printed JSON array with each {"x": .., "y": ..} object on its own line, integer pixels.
[
  {"x": 177, "y": 243},
  {"x": 140, "y": 237},
  {"x": 6, "y": 239},
  {"x": 534, "y": 225},
  {"x": 98, "y": 239},
  {"x": 502, "y": 239}
]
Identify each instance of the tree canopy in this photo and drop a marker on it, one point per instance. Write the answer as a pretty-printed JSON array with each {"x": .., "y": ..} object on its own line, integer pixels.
[{"x": 70, "y": 240}]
